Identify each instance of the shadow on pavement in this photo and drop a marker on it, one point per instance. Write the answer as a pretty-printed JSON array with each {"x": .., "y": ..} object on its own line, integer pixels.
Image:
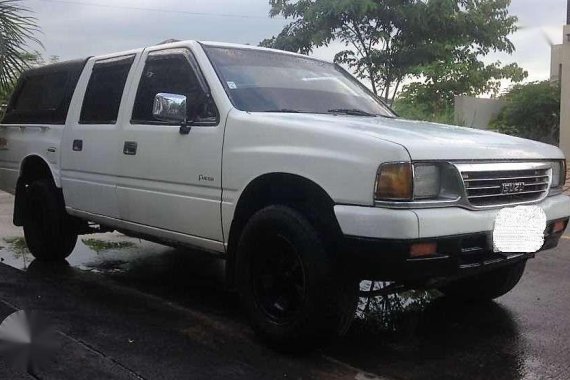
[{"x": 432, "y": 338}]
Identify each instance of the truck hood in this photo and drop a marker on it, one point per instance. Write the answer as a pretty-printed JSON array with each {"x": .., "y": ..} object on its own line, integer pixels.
[{"x": 429, "y": 141}]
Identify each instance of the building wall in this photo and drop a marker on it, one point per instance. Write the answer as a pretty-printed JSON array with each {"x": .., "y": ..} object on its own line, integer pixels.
[
  {"x": 564, "y": 77},
  {"x": 476, "y": 112},
  {"x": 556, "y": 63}
]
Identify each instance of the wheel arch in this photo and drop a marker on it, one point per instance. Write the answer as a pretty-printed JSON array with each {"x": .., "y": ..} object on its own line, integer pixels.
[
  {"x": 293, "y": 190},
  {"x": 35, "y": 166},
  {"x": 32, "y": 168}
]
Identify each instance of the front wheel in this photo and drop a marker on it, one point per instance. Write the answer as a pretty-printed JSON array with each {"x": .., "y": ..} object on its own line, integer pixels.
[
  {"x": 50, "y": 232},
  {"x": 289, "y": 284},
  {"x": 486, "y": 286}
]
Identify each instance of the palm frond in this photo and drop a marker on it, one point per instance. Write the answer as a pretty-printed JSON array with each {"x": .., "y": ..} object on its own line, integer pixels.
[{"x": 18, "y": 28}]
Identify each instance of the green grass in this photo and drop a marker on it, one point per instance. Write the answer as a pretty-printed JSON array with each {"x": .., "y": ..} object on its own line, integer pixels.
[
  {"x": 18, "y": 245},
  {"x": 101, "y": 245}
]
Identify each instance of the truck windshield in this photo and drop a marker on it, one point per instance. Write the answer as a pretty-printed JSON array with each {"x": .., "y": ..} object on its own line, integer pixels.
[{"x": 266, "y": 81}]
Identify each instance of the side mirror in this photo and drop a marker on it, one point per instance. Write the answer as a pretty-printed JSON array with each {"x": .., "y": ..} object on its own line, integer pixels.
[{"x": 170, "y": 108}]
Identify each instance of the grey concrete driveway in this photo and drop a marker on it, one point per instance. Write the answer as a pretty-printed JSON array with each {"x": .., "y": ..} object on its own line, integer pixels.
[{"x": 129, "y": 309}]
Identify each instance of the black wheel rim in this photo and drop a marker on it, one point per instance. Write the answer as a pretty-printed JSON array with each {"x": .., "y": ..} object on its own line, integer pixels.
[{"x": 278, "y": 279}]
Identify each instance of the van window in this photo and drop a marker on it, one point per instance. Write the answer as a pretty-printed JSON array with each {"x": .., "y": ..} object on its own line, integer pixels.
[
  {"x": 42, "y": 92},
  {"x": 104, "y": 91},
  {"x": 171, "y": 72}
]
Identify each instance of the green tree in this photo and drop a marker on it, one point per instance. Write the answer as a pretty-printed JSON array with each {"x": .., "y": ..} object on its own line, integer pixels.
[
  {"x": 389, "y": 41},
  {"x": 433, "y": 98},
  {"x": 532, "y": 111},
  {"x": 17, "y": 30},
  {"x": 415, "y": 103}
]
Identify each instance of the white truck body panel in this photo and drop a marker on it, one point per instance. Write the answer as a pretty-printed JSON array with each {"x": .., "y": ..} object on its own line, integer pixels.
[{"x": 21, "y": 141}]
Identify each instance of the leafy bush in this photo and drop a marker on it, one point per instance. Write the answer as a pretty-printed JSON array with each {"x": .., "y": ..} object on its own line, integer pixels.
[
  {"x": 416, "y": 103},
  {"x": 532, "y": 112}
]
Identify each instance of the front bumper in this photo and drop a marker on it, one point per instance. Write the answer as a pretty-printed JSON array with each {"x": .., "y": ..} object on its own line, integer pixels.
[
  {"x": 385, "y": 223},
  {"x": 377, "y": 241},
  {"x": 457, "y": 256}
]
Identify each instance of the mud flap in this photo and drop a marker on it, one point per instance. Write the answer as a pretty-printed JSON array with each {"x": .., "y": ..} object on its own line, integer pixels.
[{"x": 20, "y": 203}]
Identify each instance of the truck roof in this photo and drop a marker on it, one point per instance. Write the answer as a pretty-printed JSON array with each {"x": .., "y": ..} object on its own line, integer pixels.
[
  {"x": 69, "y": 65},
  {"x": 75, "y": 64},
  {"x": 252, "y": 47}
]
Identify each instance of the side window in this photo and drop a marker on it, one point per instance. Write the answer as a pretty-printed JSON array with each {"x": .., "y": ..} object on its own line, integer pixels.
[
  {"x": 39, "y": 98},
  {"x": 105, "y": 90},
  {"x": 171, "y": 72},
  {"x": 42, "y": 93}
]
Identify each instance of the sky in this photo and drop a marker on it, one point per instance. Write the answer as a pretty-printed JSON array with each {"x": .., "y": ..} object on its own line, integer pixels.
[{"x": 80, "y": 28}]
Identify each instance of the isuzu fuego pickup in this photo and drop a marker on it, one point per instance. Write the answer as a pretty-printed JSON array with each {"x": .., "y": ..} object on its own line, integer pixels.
[{"x": 286, "y": 166}]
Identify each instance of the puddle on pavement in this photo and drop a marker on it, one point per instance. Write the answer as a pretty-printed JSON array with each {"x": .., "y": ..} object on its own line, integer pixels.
[
  {"x": 386, "y": 333},
  {"x": 184, "y": 276},
  {"x": 110, "y": 253},
  {"x": 175, "y": 274},
  {"x": 391, "y": 313}
]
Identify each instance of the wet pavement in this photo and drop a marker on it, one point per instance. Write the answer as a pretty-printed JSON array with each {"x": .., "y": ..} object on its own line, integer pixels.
[{"x": 128, "y": 309}]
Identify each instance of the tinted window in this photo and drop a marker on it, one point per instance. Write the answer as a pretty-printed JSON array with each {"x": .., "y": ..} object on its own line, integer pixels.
[
  {"x": 171, "y": 72},
  {"x": 41, "y": 93},
  {"x": 105, "y": 90}
]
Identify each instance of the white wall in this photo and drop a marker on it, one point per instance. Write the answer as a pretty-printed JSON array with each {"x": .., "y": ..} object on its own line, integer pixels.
[
  {"x": 563, "y": 55},
  {"x": 476, "y": 112}
]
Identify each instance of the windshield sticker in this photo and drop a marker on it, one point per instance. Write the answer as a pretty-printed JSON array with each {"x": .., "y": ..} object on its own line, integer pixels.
[{"x": 232, "y": 85}]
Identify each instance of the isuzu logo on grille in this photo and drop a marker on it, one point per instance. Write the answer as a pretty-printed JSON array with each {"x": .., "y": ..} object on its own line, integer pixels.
[{"x": 512, "y": 187}]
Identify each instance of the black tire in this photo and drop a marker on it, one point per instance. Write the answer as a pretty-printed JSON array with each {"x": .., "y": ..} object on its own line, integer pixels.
[
  {"x": 486, "y": 286},
  {"x": 50, "y": 232},
  {"x": 289, "y": 285}
]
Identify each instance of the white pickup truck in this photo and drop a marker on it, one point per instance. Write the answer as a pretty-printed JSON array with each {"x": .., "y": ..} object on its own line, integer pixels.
[{"x": 283, "y": 164}]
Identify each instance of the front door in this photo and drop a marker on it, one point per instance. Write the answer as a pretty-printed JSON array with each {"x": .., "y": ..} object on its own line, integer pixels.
[{"x": 169, "y": 180}]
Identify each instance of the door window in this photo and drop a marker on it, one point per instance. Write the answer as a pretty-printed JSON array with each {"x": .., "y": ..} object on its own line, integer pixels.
[
  {"x": 104, "y": 92},
  {"x": 172, "y": 72}
]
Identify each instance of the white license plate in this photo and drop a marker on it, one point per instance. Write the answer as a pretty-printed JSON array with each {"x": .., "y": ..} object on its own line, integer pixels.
[{"x": 519, "y": 229}]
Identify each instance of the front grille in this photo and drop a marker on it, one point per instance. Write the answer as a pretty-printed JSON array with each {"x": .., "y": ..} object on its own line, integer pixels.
[{"x": 503, "y": 184}]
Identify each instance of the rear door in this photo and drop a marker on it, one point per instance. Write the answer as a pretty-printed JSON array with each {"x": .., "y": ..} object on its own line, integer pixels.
[
  {"x": 169, "y": 180},
  {"x": 90, "y": 145}
]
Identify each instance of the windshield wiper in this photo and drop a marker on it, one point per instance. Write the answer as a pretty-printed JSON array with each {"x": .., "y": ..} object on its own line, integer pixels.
[
  {"x": 351, "y": 112},
  {"x": 284, "y": 110}
]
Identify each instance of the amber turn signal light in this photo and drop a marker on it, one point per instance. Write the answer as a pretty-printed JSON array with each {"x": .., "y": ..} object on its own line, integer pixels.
[
  {"x": 394, "y": 181},
  {"x": 423, "y": 249},
  {"x": 559, "y": 226}
]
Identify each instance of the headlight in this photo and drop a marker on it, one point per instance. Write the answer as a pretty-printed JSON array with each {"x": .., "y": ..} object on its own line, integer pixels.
[
  {"x": 403, "y": 181},
  {"x": 427, "y": 181},
  {"x": 558, "y": 174}
]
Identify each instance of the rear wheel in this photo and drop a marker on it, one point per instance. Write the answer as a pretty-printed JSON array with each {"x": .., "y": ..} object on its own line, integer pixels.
[
  {"x": 50, "y": 232},
  {"x": 290, "y": 286},
  {"x": 486, "y": 286}
]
